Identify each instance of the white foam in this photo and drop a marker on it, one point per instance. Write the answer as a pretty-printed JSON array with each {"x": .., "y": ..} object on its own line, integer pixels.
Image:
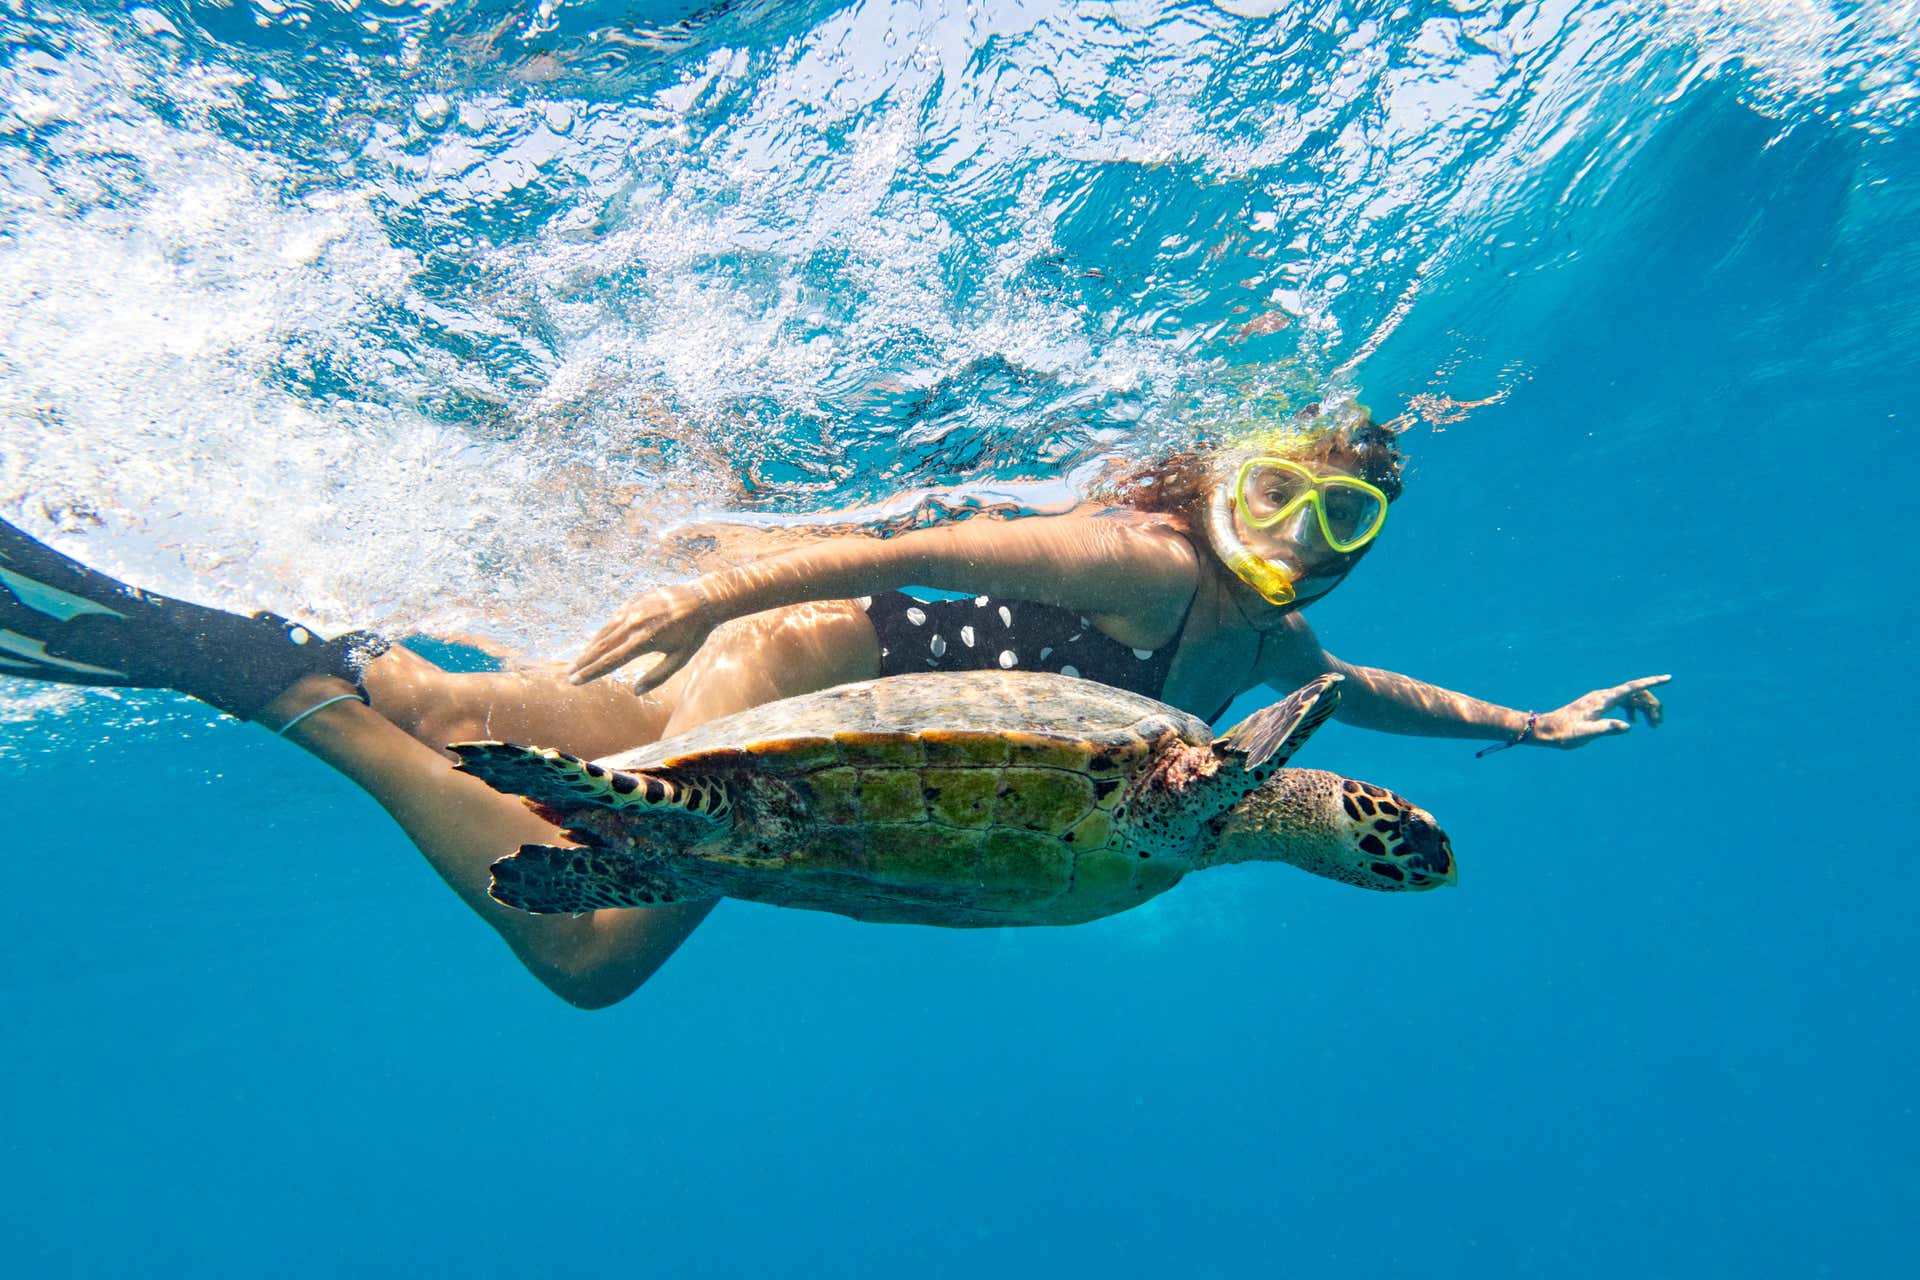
[
  {"x": 1862, "y": 62},
  {"x": 451, "y": 372}
]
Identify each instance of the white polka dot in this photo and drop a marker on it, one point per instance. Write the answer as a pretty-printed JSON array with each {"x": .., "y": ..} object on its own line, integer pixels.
[
  {"x": 1007, "y": 659},
  {"x": 979, "y": 602},
  {"x": 966, "y": 636},
  {"x": 865, "y": 602},
  {"x": 1070, "y": 670},
  {"x": 1046, "y": 653},
  {"x": 917, "y": 617},
  {"x": 1143, "y": 654},
  {"x": 1006, "y": 616},
  {"x": 299, "y": 635},
  {"x": 939, "y": 646}
]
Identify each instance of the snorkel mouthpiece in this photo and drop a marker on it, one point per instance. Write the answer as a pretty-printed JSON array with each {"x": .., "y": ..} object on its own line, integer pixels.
[
  {"x": 1274, "y": 586},
  {"x": 1271, "y": 578}
]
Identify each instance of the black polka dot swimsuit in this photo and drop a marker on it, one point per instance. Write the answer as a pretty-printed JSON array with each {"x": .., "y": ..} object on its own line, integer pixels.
[{"x": 985, "y": 634}]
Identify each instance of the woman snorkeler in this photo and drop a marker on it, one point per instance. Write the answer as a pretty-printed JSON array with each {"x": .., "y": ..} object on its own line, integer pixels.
[{"x": 1185, "y": 582}]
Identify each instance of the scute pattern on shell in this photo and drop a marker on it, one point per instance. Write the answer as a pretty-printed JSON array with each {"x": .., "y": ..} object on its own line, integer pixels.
[
  {"x": 1013, "y": 830},
  {"x": 965, "y": 797},
  {"x": 929, "y": 719}
]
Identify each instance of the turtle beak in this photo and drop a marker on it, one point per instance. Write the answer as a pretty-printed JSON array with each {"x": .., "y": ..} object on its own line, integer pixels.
[{"x": 1427, "y": 854}]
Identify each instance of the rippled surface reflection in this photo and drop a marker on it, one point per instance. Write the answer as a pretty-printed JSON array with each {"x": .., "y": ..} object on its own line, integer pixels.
[{"x": 400, "y": 313}]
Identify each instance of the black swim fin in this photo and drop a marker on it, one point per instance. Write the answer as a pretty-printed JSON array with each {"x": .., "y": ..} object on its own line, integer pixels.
[{"x": 63, "y": 622}]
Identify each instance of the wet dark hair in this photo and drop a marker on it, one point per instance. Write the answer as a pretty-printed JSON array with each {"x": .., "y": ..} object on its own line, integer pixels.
[{"x": 1181, "y": 484}]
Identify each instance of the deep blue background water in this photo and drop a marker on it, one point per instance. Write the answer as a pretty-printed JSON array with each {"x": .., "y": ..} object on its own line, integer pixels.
[{"x": 1664, "y": 1026}]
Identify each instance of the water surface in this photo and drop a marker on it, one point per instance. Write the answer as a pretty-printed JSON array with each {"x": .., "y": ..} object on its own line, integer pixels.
[{"x": 432, "y": 316}]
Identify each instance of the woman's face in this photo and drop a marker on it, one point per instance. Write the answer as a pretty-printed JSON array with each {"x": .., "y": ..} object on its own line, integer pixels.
[{"x": 1297, "y": 541}]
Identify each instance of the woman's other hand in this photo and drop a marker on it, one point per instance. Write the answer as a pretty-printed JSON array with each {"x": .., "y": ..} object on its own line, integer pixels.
[
  {"x": 670, "y": 621},
  {"x": 1590, "y": 716}
]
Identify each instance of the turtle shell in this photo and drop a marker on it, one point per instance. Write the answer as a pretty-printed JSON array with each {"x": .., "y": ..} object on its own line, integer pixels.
[
  {"x": 943, "y": 797},
  {"x": 960, "y": 717}
]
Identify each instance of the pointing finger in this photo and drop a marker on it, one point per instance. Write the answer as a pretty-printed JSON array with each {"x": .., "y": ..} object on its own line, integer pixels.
[
  {"x": 626, "y": 620},
  {"x": 612, "y": 660},
  {"x": 660, "y": 672},
  {"x": 590, "y": 657},
  {"x": 622, "y": 649},
  {"x": 603, "y": 641},
  {"x": 586, "y": 658},
  {"x": 615, "y": 625}
]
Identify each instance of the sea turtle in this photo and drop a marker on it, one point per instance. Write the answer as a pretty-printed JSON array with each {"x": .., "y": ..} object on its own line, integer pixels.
[{"x": 962, "y": 799}]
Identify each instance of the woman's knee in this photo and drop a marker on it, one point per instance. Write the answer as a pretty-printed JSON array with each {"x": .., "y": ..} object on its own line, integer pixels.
[
  {"x": 433, "y": 704},
  {"x": 415, "y": 695}
]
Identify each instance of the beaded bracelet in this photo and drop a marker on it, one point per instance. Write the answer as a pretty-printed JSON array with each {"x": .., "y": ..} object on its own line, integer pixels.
[{"x": 1533, "y": 718}]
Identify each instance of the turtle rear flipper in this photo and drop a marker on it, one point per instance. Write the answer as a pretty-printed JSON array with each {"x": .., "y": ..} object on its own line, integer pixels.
[
  {"x": 1271, "y": 735},
  {"x": 560, "y": 782},
  {"x": 550, "y": 880}
]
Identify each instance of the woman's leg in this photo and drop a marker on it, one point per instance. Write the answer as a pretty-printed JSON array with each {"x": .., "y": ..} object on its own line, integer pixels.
[
  {"x": 63, "y": 622},
  {"x": 462, "y": 826},
  {"x": 777, "y": 654},
  {"x": 532, "y": 705}
]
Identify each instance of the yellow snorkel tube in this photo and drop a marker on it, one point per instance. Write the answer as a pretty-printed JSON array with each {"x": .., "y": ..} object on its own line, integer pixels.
[{"x": 1272, "y": 579}]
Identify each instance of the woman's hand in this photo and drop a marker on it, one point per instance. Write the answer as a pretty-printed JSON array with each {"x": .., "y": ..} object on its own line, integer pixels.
[
  {"x": 670, "y": 621},
  {"x": 1587, "y": 718}
]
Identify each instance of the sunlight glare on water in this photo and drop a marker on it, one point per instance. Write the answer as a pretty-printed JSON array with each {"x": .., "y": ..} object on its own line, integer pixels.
[{"x": 427, "y": 315}]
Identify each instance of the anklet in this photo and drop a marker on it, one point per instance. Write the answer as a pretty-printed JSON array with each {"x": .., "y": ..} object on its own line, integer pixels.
[{"x": 322, "y": 705}]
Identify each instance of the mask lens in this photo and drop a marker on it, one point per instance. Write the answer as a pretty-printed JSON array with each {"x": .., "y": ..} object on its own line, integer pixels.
[
  {"x": 1353, "y": 513},
  {"x": 1269, "y": 490}
]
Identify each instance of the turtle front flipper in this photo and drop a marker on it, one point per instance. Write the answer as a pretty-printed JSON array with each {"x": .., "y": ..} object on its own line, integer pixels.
[
  {"x": 1269, "y": 737},
  {"x": 1192, "y": 785},
  {"x": 559, "y": 782},
  {"x": 550, "y": 880}
]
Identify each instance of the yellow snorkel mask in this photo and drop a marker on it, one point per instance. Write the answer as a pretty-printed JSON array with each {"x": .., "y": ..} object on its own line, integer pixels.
[{"x": 1264, "y": 490}]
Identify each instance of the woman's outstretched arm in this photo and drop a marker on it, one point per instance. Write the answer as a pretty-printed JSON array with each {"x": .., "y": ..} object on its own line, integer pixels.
[
  {"x": 1132, "y": 570},
  {"x": 1372, "y": 698}
]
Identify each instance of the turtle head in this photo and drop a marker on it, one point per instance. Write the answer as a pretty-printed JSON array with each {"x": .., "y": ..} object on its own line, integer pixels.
[{"x": 1336, "y": 827}]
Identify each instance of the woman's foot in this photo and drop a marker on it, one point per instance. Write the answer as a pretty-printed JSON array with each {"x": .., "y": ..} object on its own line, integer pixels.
[{"x": 63, "y": 622}]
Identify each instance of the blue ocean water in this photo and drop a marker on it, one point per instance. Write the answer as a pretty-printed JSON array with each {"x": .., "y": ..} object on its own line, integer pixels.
[{"x": 432, "y": 315}]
